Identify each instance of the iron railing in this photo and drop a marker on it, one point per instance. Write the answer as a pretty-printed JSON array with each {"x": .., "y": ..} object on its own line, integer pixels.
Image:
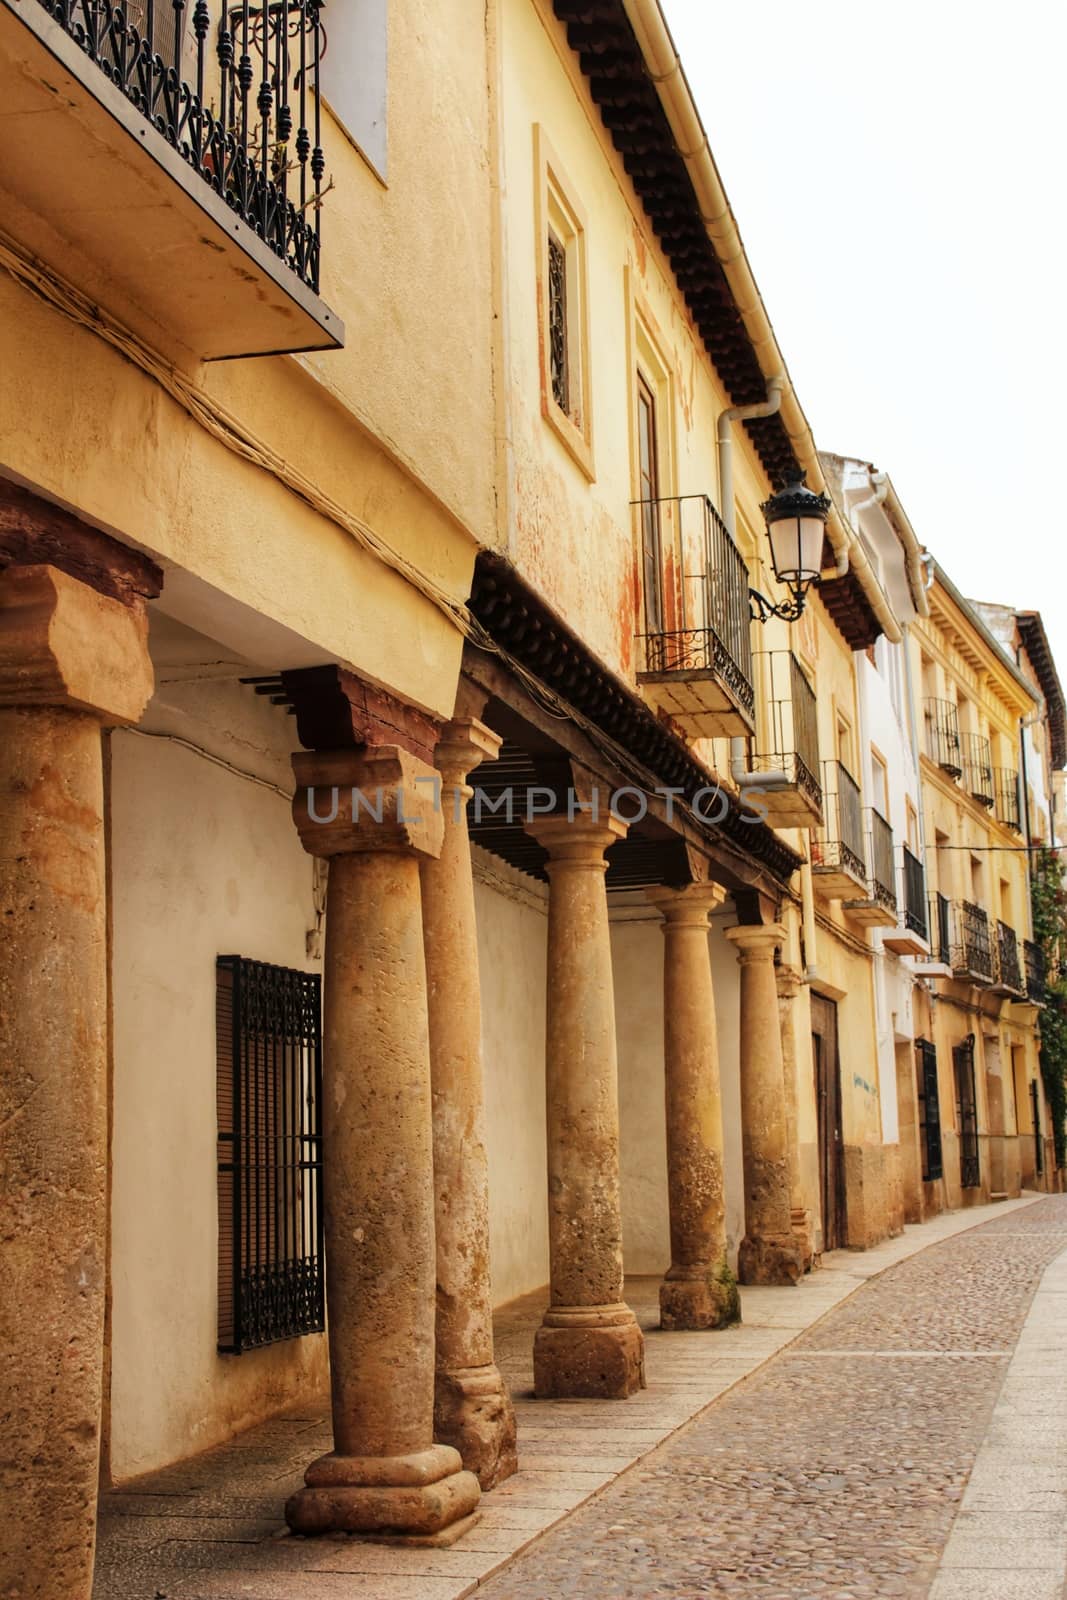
[
  {"x": 967, "y": 1113},
  {"x": 1006, "y": 790},
  {"x": 883, "y": 867},
  {"x": 842, "y": 844},
  {"x": 972, "y": 948},
  {"x": 1035, "y": 967},
  {"x": 1035, "y": 1115},
  {"x": 915, "y": 916},
  {"x": 978, "y": 767},
  {"x": 943, "y": 735},
  {"x": 234, "y": 89},
  {"x": 269, "y": 1097},
  {"x": 1009, "y": 972},
  {"x": 714, "y": 635},
  {"x": 941, "y": 927},
  {"x": 929, "y": 1110},
  {"x": 794, "y": 730}
]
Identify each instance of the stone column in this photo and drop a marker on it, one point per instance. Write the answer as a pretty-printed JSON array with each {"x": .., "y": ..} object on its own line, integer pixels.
[
  {"x": 788, "y": 982},
  {"x": 589, "y": 1343},
  {"x": 699, "y": 1290},
  {"x": 472, "y": 1409},
  {"x": 385, "y": 1474},
  {"x": 71, "y": 661},
  {"x": 769, "y": 1252}
]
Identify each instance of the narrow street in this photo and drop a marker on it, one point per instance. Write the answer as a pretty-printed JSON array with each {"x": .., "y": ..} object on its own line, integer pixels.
[{"x": 835, "y": 1469}]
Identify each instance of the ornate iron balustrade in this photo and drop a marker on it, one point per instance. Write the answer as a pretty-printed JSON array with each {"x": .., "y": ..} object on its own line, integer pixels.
[
  {"x": 883, "y": 869},
  {"x": 943, "y": 735},
  {"x": 941, "y": 925},
  {"x": 843, "y": 844},
  {"x": 269, "y": 1097},
  {"x": 1006, "y": 790},
  {"x": 915, "y": 916},
  {"x": 1036, "y": 975},
  {"x": 978, "y": 767},
  {"x": 1009, "y": 971},
  {"x": 972, "y": 950},
  {"x": 967, "y": 1113},
  {"x": 234, "y": 89},
  {"x": 929, "y": 1110},
  {"x": 717, "y": 638},
  {"x": 794, "y": 727}
]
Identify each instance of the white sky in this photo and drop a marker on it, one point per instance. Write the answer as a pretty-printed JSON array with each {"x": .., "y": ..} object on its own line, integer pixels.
[{"x": 898, "y": 174}]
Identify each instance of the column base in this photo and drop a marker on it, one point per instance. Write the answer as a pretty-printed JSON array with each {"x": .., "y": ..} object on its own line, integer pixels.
[
  {"x": 802, "y": 1233},
  {"x": 589, "y": 1353},
  {"x": 473, "y": 1413},
  {"x": 419, "y": 1497},
  {"x": 707, "y": 1300},
  {"x": 769, "y": 1261}
]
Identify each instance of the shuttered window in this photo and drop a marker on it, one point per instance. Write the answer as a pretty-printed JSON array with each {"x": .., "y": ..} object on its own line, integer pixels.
[{"x": 269, "y": 1093}]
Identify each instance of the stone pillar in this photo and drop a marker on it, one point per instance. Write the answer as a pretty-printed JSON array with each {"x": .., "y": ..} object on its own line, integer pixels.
[
  {"x": 788, "y": 982},
  {"x": 71, "y": 661},
  {"x": 589, "y": 1343},
  {"x": 385, "y": 1474},
  {"x": 472, "y": 1409},
  {"x": 769, "y": 1252},
  {"x": 700, "y": 1290}
]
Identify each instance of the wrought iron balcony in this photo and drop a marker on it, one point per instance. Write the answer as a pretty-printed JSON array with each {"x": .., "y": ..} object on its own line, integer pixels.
[
  {"x": 943, "y": 736},
  {"x": 879, "y": 909},
  {"x": 1009, "y": 971},
  {"x": 911, "y": 937},
  {"x": 978, "y": 768},
  {"x": 1006, "y": 788},
  {"x": 972, "y": 945},
  {"x": 838, "y": 856},
  {"x": 1036, "y": 974},
  {"x": 166, "y": 156},
  {"x": 941, "y": 928},
  {"x": 790, "y": 790},
  {"x": 696, "y": 648}
]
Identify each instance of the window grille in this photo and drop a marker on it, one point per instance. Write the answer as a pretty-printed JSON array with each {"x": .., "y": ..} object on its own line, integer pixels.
[
  {"x": 967, "y": 1112},
  {"x": 929, "y": 1110},
  {"x": 1035, "y": 1113},
  {"x": 269, "y": 1094},
  {"x": 557, "y": 323}
]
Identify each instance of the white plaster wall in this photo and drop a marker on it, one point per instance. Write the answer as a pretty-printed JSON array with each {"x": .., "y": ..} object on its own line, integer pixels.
[
  {"x": 512, "y": 920},
  {"x": 203, "y": 863},
  {"x": 637, "y": 967}
]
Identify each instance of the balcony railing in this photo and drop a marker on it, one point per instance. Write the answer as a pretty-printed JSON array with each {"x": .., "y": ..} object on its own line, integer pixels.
[
  {"x": 1036, "y": 976},
  {"x": 234, "y": 89},
  {"x": 1006, "y": 790},
  {"x": 972, "y": 944},
  {"x": 839, "y": 855},
  {"x": 915, "y": 916},
  {"x": 883, "y": 868},
  {"x": 978, "y": 767},
  {"x": 711, "y": 640},
  {"x": 1009, "y": 972},
  {"x": 943, "y": 736},
  {"x": 792, "y": 746}
]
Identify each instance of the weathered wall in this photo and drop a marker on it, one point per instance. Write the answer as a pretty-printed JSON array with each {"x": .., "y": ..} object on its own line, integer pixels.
[
  {"x": 203, "y": 863},
  {"x": 637, "y": 968}
]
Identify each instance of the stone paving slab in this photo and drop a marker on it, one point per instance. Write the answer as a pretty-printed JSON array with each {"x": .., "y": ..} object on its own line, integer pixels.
[{"x": 195, "y": 1520}]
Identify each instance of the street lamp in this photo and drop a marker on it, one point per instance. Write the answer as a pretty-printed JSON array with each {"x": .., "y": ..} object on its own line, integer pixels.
[{"x": 796, "y": 526}]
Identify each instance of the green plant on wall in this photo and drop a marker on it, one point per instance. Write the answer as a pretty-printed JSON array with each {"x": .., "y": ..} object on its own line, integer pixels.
[{"x": 1048, "y": 894}]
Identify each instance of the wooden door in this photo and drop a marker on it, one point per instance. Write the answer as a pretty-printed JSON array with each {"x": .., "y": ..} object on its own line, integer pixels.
[{"x": 828, "y": 1107}]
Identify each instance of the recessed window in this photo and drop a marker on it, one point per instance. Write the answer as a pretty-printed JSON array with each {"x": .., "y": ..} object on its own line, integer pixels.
[
  {"x": 558, "y": 333},
  {"x": 563, "y": 314},
  {"x": 648, "y": 482},
  {"x": 355, "y": 75},
  {"x": 269, "y": 1094}
]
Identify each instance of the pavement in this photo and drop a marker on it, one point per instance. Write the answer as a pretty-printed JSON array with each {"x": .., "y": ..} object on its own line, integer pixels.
[{"x": 894, "y": 1426}]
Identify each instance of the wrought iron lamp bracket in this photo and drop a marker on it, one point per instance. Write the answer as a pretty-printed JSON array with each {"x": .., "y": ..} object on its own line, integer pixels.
[{"x": 760, "y": 609}]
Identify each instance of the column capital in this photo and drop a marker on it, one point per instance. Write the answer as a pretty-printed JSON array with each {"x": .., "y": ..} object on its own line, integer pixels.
[
  {"x": 464, "y": 744},
  {"x": 580, "y": 842},
  {"x": 687, "y": 907},
  {"x": 789, "y": 981},
  {"x": 756, "y": 941},
  {"x": 65, "y": 644},
  {"x": 356, "y": 802}
]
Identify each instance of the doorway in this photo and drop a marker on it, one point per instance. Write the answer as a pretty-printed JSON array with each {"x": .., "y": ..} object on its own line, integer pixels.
[{"x": 828, "y": 1108}]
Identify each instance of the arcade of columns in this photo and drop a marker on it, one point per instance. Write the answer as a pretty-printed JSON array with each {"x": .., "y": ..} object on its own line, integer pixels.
[{"x": 405, "y": 1169}]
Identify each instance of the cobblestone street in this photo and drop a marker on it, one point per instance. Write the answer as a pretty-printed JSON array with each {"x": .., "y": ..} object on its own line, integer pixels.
[{"x": 834, "y": 1473}]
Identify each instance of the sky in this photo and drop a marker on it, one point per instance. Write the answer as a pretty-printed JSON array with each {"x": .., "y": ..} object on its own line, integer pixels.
[{"x": 898, "y": 176}]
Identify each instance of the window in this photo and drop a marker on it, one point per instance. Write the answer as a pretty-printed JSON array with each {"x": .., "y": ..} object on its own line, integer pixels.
[
  {"x": 879, "y": 784},
  {"x": 268, "y": 1094},
  {"x": 562, "y": 307},
  {"x": 966, "y": 1112},
  {"x": 912, "y": 827},
  {"x": 354, "y": 75},
  {"x": 844, "y": 743},
  {"x": 929, "y": 1110},
  {"x": 648, "y": 484}
]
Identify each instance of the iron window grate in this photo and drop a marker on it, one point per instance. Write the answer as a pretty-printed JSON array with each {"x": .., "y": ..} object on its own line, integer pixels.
[
  {"x": 929, "y": 1110},
  {"x": 557, "y": 323},
  {"x": 967, "y": 1113},
  {"x": 269, "y": 1095}
]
